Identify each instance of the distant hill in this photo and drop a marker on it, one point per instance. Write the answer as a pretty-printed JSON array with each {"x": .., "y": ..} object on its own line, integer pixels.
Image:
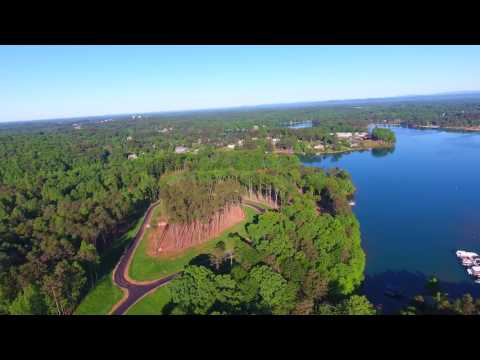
[{"x": 458, "y": 95}]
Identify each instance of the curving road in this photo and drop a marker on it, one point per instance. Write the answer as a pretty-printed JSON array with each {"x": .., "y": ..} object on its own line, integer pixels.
[{"x": 136, "y": 290}]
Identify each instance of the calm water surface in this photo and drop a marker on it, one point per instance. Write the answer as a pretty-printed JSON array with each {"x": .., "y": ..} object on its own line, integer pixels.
[{"x": 416, "y": 205}]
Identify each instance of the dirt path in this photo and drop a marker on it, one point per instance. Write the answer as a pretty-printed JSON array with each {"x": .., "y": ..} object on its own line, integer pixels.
[{"x": 134, "y": 290}]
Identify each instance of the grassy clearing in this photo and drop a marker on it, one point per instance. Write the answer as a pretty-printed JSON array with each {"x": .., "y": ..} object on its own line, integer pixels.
[
  {"x": 101, "y": 299},
  {"x": 144, "y": 267},
  {"x": 105, "y": 294},
  {"x": 153, "y": 303}
]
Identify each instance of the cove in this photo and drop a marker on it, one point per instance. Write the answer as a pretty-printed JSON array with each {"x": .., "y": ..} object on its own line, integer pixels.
[{"x": 416, "y": 204}]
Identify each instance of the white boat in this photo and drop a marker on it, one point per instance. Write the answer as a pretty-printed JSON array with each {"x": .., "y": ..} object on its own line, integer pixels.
[
  {"x": 466, "y": 254},
  {"x": 467, "y": 262},
  {"x": 475, "y": 271},
  {"x": 351, "y": 203},
  {"x": 460, "y": 253}
]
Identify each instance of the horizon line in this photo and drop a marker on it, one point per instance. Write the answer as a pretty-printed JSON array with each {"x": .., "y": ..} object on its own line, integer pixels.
[{"x": 458, "y": 92}]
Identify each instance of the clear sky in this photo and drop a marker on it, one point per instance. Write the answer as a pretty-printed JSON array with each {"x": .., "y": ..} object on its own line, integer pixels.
[{"x": 42, "y": 82}]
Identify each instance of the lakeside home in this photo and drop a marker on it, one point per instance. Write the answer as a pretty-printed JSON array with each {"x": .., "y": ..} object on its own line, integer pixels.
[
  {"x": 181, "y": 149},
  {"x": 350, "y": 135}
]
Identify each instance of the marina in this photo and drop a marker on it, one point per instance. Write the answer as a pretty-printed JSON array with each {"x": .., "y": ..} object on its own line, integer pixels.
[{"x": 471, "y": 261}]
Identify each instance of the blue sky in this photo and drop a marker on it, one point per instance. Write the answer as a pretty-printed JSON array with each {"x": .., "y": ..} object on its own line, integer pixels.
[{"x": 42, "y": 82}]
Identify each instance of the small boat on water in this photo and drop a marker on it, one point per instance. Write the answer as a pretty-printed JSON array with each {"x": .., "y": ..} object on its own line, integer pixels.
[
  {"x": 468, "y": 262},
  {"x": 351, "y": 203},
  {"x": 475, "y": 271},
  {"x": 466, "y": 254},
  {"x": 471, "y": 261}
]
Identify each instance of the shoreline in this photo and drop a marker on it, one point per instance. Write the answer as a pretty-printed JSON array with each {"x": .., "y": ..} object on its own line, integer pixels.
[
  {"x": 365, "y": 148},
  {"x": 435, "y": 127}
]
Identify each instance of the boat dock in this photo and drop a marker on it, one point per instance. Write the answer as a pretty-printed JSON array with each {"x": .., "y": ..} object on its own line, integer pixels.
[{"x": 471, "y": 261}]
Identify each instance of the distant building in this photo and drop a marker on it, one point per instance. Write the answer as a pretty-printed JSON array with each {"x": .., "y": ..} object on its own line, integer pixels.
[
  {"x": 180, "y": 149},
  {"x": 132, "y": 156},
  {"x": 240, "y": 142},
  {"x": 129, "y": 138},
  {"x": 275, "y": 140},
  {"x": 319, "y": 147},
  {"x": 255, "y": 127},
  {"x": 344, "y": 135},
  {"x": 231, "y": 146},
  {"x": 361, "y": 135}
]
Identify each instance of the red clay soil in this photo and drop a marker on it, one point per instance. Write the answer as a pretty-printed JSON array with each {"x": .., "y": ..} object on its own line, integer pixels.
[
  {"x": 170, "y": 238},
  {"x": 134, "y": 292}
]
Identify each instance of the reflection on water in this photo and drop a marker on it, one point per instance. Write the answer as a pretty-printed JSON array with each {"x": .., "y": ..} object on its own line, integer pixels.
[
  {"x": 336, "y": 157},
  {"x": 379, "y": 152},
  {"x": 416, "y": 203}
]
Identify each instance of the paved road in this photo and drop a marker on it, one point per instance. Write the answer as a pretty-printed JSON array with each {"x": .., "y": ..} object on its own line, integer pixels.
[{"x": 136, "y": 291}]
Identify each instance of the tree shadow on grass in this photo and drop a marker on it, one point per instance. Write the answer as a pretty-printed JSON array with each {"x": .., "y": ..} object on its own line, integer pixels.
[
  {"x": 200, "y": 260},
  {"x": 409, "y": 284},
  {"x": 168, "y": 308}
]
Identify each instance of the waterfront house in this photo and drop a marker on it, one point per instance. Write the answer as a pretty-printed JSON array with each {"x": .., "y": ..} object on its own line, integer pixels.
[
  {"x": 344, "y": 135},
  {"x": 361, "y": 135},
  {"x": 180, "y": 149}
]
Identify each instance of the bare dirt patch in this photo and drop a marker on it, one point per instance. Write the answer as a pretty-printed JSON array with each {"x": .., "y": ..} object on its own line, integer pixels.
[{"x": 167, "y": 239}]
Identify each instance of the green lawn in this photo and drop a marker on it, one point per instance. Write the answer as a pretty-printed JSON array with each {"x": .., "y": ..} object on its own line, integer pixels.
[
  {"x": 144, "y": 267},
  {"x": 100, "y": 300},
  {"x": 153, "y": 303}
]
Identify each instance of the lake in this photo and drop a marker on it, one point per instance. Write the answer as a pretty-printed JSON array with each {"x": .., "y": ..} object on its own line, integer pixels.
[
  {"x": 416, "y": 205},
  {"x": 301, "y": 125}
]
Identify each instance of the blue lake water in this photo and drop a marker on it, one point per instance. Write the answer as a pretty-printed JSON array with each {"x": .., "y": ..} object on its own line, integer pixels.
[
  {"x": 301, "y": 125},
  {"x": 416, "y": 206}
]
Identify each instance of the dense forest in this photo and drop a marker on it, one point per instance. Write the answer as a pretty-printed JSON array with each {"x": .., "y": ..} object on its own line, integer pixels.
[
  {"x": 68, "y": 189},
  {"x": 305, "y": 258}
]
